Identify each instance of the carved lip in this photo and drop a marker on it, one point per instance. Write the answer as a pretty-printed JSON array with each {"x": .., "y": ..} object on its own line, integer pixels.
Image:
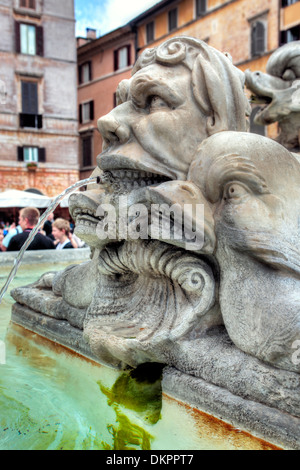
[
  {"x": 142, "y": 163},
  {"x": 86, "y": 217},
  {"x": 261, "y": 93}
]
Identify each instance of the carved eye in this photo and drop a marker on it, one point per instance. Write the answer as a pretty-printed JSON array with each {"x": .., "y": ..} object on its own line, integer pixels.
[
  {"x": 157, "y": 103},
  {"x": 234, "y": 192}
]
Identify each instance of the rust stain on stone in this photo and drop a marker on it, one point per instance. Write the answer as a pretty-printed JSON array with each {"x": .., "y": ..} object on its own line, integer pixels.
[{"x": 215, "y": 429}]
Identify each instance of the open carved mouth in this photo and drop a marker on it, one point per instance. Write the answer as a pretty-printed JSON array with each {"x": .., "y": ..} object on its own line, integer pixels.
[
  {"x": 264, "y": 103},
  {"x": 121, "y": 181},
  {"x": 261, "y": 100},
  {"x": 125, "y": 180},
  {"x": 85, "y": 217}
]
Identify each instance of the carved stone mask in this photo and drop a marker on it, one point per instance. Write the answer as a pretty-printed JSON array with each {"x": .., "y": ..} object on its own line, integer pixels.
[
  {"x": 253, "y": 186},
  {"x": 180, "y": 93}
]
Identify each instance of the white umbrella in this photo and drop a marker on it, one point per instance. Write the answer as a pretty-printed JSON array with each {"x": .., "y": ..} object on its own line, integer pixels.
[{"x": 16, "y": 198}]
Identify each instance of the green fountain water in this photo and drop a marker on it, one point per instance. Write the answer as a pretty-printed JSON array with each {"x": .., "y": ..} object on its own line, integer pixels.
[{"x": 51, "y": 399}]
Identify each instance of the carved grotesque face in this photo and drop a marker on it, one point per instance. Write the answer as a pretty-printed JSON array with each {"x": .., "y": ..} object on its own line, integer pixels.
[
  {"x": 252, "y": 184},
  {"x": 157, "y": 126},
  {"x": 149, "y": 138},
  {"x": 180, "y": 93}
]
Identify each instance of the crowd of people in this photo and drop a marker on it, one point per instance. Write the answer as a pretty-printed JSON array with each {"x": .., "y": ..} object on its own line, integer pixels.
[{"x": 55, "y": 234}]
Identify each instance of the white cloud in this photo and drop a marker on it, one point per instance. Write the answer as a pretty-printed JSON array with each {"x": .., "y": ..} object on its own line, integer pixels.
[{"x": 107, "y": 15}]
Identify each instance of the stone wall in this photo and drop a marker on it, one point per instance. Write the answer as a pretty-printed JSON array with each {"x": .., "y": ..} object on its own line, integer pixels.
[{"x": 55, "y": 73}]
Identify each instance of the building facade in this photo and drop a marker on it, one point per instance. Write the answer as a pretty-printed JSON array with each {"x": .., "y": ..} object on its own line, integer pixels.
[
  {"x": 249, "y": 31},
  {"x": 38, "y": 96},
  {"x": 102, "y": 63}
]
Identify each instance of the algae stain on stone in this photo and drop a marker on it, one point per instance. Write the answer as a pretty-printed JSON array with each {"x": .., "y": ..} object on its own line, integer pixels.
[{"x": 140, "y": 391}]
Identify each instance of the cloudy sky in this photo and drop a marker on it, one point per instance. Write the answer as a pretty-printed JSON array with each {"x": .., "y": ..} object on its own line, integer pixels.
[{"x": 107, "y": 15}]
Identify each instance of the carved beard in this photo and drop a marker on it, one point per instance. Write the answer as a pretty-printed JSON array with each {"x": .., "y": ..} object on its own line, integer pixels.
[
  {"x": 149, "y": 294},
  {"x": 269, "y": 248}
]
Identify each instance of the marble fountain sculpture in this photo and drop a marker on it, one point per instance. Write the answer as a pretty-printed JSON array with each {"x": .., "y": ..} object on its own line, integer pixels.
[
  {"x": 222, "y": 314},
  {"x": 279, "y": 92}
]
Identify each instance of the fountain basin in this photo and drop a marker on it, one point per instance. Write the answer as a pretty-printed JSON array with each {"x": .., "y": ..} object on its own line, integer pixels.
[{"x": 52, "y": 397}]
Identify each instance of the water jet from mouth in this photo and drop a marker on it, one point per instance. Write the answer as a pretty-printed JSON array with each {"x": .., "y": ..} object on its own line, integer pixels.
[{"x": 41, "y": 221}]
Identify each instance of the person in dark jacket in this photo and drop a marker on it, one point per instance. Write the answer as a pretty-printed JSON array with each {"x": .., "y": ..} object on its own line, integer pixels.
[
  {"x": 28, "y": 219},
  {"x": 48, "y": 226},
  {"x": 62, "y": 234}
]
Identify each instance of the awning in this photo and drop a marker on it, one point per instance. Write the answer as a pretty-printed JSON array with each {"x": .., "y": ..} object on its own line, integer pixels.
[{"x": 15, "y": 198}]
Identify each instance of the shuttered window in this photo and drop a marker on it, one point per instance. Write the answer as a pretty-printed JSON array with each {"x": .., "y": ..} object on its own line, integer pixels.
[
  {"x": 86, "y": 112},
  {"x": 29, "y": 39},
  {"x": 122, "y": 57},
  {"x": 150, "y": 32},
  {"x": 258, "y": 38},
  {"x": 172, "y": 19},
  {"x": 86, "y": 151},
  {"x": 201, "y": 7},
  {"x": 29, "y": 116},
  {"x": 290, "y": 35},
  {"x": 31, "y": 154},
  {"x": 29, "y": 98},
  {"x": 85, "y": 72},
  {"x": 27, "y": 4},
  {"x": 286, "y": 3},
  {"x": 256, "y": 128}
]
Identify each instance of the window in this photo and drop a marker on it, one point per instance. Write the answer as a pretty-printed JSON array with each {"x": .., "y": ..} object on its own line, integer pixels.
[
  {"x": 29, "y": 116},
  {"x": 150, "y": 32},
  {"x": 86, "y": 151},
  {"x": 29, "y": 97},
  {"x": 86, "y": 112},
  {"x": 287, "y": 3},
  {"x": 85, "y": 72},
  {"x": 122, "y": 58},
  {"x": 29, "y": 39},
  {"x": 256, "y": 128},
  {"x": 172, "y": 19},
  {"x": 27, "y": 4},
  {"x": 201, "y": 7},
  {"x": 258, "y": 38},
  {"x": 290, "y": 35},
  {"x": 32, "y": 154}
]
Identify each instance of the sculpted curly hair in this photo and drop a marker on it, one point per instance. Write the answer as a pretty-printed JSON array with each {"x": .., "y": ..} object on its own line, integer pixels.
[{"x": 218, "y": 85}]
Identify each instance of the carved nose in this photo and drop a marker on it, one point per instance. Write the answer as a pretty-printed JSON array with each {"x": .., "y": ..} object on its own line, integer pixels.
[{"x": 112, "y": 131}]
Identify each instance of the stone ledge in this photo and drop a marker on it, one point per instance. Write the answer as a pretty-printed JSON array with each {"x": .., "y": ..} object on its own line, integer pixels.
[
  {"x": 46, "y": 256},
  {"x": 261, "y": 421},
  {"x": 58, "y": 331}
]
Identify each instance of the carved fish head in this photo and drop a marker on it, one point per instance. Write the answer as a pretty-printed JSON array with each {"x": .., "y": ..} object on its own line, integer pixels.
[
  {"x": 252, "y": 184},
  {"x": 277, "y": 91}
]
